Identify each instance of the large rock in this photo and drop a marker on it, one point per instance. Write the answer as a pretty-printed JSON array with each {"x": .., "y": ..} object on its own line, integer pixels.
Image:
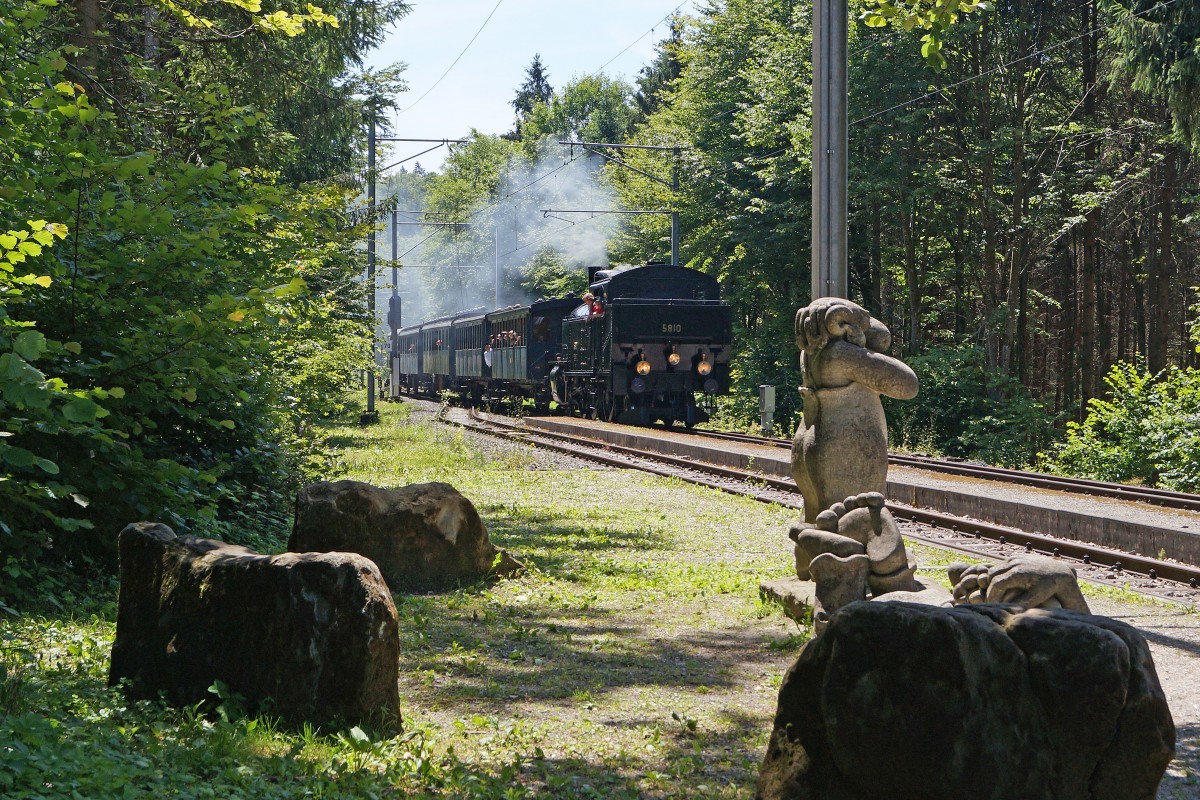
[
  {"x": 422, "y": 536},
  {"x": 987, "y": 702},
  {"x": 315, "y": 632}
]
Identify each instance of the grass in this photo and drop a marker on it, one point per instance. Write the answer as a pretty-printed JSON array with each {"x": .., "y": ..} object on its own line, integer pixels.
[{"x": 633, "y": 659}]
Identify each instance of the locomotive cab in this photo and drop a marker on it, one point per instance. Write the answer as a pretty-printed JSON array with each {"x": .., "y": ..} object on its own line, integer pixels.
[{"x": 663, "y": 337}]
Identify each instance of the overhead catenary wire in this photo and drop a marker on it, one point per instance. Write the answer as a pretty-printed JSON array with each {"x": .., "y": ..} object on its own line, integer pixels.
[
  {"x": 499, "y": 200},
  {"x": 736, "y": 166},
  {"x": 537, "y": 180},
  {"x": 625, "y": 49},
  {"x": 456, "y": 59}
]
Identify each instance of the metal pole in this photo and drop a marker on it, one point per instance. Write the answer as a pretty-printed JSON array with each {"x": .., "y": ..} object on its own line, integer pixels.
[
  {"x": 496, "y": 301},
  {"x": 371, "y": 261},
  {"x": 395, "y": 283},
  {"x": 830, "y": 24},
  {"x": 675, "y": 214}
]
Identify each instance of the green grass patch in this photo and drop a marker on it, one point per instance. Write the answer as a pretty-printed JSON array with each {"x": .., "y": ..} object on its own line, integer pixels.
[{"x": 633, "y": 659}]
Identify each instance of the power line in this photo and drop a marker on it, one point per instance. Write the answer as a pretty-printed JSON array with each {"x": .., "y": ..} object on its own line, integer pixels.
[
  {"x": 456, "y": 60},
  {"x": 520, "y": 189},
  {"x": 498, "y": 201},
  {"x": 667, "y": 16}
]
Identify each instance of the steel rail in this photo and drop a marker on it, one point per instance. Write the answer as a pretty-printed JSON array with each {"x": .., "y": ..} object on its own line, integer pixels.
[
  {"x": 1116, "y": 560},
  {"x": 1137, "y": 494}
]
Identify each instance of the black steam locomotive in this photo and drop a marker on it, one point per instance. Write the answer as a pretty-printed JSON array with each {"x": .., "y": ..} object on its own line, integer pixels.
[{"x": 637, "y": 351}]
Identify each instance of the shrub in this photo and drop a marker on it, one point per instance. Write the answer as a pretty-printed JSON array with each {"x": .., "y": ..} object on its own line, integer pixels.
[{"x": 1146, "y": 429}]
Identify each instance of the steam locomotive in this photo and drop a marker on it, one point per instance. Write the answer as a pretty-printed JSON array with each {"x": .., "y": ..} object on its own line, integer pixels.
[{"x": 640, "y": 350}]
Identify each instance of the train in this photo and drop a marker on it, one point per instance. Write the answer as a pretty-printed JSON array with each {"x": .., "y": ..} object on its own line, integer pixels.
[{"x": 639, "y": 348}]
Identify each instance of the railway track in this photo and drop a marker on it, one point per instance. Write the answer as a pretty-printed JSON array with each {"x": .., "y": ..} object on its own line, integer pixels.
[
  {"x": 1138, "y": 494},
  {"x": 1169, "y": 579}
]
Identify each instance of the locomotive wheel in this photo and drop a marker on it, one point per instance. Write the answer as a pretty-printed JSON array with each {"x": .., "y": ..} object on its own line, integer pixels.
[
  {"x": 615, "y": 406},
  {"x": 601, "y": 406}
]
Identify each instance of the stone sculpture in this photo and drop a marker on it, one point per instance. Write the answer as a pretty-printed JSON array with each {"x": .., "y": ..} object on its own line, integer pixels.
[
  {"x": 422, "y": 536},
  {"x": 1026, "y": 580},
  {"x": 316, "y": 633},
  {"x": 849, "y": 544},
  {"x": 839, "y": 457},
  {"x": 913, "y": 702},
  {"x": 1004, "y": 687},
  {"x": 840, "y": 448}
]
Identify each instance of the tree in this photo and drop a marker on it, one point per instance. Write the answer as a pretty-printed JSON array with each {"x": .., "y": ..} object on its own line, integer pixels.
[
  {"x": 536, "y": 89},
  {"x": 655, "y": 78},
  {"x": 1157, "y": 42},
  {"x": 594, "y": 108},
  {"x": 173, "y": 311},
  {"x": 1017, "y": 213},
  {"x": 932, "y": 16}
]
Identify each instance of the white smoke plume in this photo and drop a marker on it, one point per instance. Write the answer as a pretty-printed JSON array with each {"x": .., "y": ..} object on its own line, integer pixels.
[{"x": 552, "y": 203}]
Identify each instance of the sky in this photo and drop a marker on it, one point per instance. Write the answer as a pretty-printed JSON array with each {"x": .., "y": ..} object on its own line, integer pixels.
[{"x": 574, "y": 39}]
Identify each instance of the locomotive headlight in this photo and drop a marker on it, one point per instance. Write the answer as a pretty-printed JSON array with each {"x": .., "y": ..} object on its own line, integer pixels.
[
  {"x": 643, "y": 367},
  {"x": 705, "y": 366},
  {"x": 711, "y": 386},
  {"x": 674, "y": 358},
  {"x": 637, "y": 386}
]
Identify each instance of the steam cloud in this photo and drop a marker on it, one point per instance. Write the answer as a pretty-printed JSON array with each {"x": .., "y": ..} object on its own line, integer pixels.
[{"x": 558, "y": 180}]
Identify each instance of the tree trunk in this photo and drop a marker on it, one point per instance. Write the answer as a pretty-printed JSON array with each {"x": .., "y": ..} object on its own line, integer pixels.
[
  {"x": 1091, "y": 222},
  {"x": 1160, "y": 277},
  {"x": 87, "y": 28}
]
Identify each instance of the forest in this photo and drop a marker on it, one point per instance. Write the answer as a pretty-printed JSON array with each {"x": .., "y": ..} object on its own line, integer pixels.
[
  {"x": 182, "y": 218},
  {"x": 1022, "y": 199}
]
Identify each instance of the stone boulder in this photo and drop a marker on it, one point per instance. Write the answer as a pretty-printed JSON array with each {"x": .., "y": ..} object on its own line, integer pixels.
[
  {"x": 422, "y": 536},
  {"x": 316, "y": 633},
  {"x": 988, "y": 702}
]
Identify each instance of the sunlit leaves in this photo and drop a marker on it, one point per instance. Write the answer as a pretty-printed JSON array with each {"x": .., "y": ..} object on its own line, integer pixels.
[
  {"x": 294, "y": 24},
  {"x": 933, "y": 16}
]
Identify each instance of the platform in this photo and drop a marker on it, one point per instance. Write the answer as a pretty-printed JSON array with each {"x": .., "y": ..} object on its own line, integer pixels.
[{"x": 1140, "y": 528}]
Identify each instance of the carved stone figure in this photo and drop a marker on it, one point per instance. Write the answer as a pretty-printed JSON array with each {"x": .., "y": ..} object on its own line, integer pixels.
[
  {"x": 841, "y": 446},
  {"x": 852, "y": 546},
  {"x": 1025, "y": 580},
  {"x": 849, "y": 544},
  {"x": 854, "y": 551},
  {"x": 839, "y": 457}
]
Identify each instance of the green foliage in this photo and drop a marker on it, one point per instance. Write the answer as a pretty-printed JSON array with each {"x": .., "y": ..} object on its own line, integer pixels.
[
  {"x": 1158, "y": 52},
  {"x": 1145, "y": 430},
  {"x": 547, "y": 275},
  {"x": 173, "y": 314},
  {"x": 964, "y": 410},
  {"x": 594, "y": 108},
  {"x": 655, "y": 78},
  {"x": 932, "y": 16},
  {"x": 536, "y": 90},
  {"x": 559, "y": 683}
]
